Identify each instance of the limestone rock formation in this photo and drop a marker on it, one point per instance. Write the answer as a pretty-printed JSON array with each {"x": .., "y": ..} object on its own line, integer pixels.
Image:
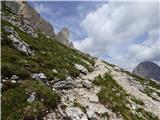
[
  {"x": 28, "y": 13},
  {"x": 63, "y": 37},
  {"x": 148, "y": 69},
  {"x": 20, "y": 45}
]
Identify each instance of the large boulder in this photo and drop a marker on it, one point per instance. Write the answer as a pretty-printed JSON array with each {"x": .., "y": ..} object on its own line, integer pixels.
[{"x": 20, "y": 45}]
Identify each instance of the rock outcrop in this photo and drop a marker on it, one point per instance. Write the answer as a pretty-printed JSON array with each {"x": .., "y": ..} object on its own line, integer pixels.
[
  {"x": 63, "y": 37},
  {"x": 148, "y": 69},
  {"x": 29, "y": 14}
]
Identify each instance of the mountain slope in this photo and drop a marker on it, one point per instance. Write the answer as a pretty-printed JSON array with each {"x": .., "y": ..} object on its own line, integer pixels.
[
  {"x": 23, "y": 9},
  {"x": 28, "y": 14},
  {"x": 44, "y": 79},
  {"x": 148, "y": 69}
]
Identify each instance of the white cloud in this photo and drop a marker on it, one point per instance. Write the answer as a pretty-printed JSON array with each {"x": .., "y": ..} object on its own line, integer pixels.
[
  {"x": 41, "y": 8},
  {"x": 112, "y": 29}
]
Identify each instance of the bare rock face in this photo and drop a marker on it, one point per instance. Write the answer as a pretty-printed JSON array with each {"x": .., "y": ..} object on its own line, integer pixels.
[
  {"x": 28, "y": 14},
  {"x": 24, "y": 10},
  {"x": 63, "y": 37},
  {"x": 148, "y": 69}
]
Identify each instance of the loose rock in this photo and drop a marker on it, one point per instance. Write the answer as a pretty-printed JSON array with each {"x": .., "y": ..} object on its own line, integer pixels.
[
  {"x": 31, "y": 97},
  {"x": 39, "y": 76},
  {"x": 75, "y": 113},
  {"x": 81, "y": 68}
]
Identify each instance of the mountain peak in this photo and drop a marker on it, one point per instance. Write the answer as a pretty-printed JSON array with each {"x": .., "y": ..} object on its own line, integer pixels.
[
  {"x": 63, "y": 37},
  {"x": 148, "y": 69}
]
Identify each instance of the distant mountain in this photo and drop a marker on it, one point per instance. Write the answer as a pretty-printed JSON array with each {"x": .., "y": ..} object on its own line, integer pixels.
[{"x": 148, "y": 69}]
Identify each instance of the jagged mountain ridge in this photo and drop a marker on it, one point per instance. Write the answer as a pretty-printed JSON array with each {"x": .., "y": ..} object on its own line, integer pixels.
[
  {"x": 54, "y": 82},
  {"x": 148, "y": 69},
  {"x": 24, "y": 10}
]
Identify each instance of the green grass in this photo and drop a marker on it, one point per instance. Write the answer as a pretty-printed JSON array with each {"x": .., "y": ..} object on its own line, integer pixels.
[
  {"x": 49, "y": 54},
  {"x": 149, "y": 92},
  {"x": 77, "y": 104},
  {"x": 14, "y": 100},
  {"x": 137, "y": 101},
  {"x": 147, "y": 115},
  {"x": 112, "y": 95}
]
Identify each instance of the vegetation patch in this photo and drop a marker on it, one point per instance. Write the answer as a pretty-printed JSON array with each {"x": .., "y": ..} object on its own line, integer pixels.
[
  {"x": 49, "y": 54},
  {"x": 147, "y": 115},
  {"x": 15, "y": 105},
  {"x": 112, "y": 95},
  {"x": 137, "y": 101}
]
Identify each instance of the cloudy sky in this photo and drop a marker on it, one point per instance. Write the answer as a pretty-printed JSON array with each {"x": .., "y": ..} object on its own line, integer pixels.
[{"x": 123, "y": 33}]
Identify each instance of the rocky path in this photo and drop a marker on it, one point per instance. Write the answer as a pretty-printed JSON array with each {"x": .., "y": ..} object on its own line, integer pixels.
[
  {"x": 132, "y": 87},
  {"x": 81, "y": 102}
]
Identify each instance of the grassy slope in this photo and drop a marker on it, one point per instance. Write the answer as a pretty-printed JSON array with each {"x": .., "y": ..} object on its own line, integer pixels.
[
  {"x": 14, "y": 100},
  {"x": 116, "y": 99},
  {"x": 49, "y": 54}
]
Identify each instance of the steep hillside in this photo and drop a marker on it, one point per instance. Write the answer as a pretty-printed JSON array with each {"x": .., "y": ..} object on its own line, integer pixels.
[
  {"x": 148, "y": 69},
  {"x": 43, "y": 79},
  {"x": 29, "y": 15},
  {"x": 23, "y": 9}
]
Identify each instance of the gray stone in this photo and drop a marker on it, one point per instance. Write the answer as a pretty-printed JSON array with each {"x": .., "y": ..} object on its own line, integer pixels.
[
  {"x": 75, "y": 113},
  {"x": 20, "y": 45},
  {"x": 14, "y": 77},
  {"x": 8, "y": 29},
  {"x": 39, "y": 76},
  {"x": 87, "y": 84},
  {"x": 13, "y": 81},
  {"x": 31, "y": 97},
  {"x": 64, "y": 84},
  {"x": 81, "y": 68}
]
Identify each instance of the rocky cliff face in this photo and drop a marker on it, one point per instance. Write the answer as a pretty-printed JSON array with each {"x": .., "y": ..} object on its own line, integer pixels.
[
  {"x": 63, "y": 37},
  {"x": 148, "y": 70},
  {"x": 28, "y": 13}
]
